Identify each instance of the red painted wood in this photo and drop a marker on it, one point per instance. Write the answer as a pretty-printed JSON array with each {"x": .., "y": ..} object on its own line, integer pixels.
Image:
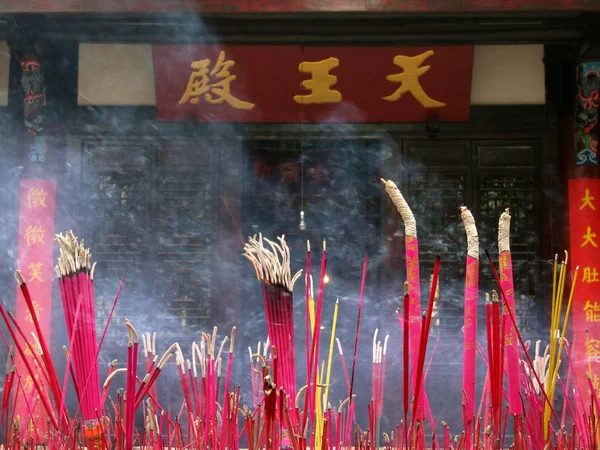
[
  {"x": 268, "y": 77},
  {"x": 283, "y": 6}
]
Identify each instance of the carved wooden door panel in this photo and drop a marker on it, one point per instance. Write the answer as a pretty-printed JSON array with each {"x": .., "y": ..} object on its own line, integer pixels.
[{"x": 150, "y": 213}]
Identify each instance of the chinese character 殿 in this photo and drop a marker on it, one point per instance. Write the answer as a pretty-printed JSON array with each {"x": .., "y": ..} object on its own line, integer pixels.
[{"x": 214, "y": 85}]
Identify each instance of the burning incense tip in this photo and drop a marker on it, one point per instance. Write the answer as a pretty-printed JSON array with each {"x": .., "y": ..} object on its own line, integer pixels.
[
  {"x": 19, "y": 277},
  {"x": 406, "y": 286},
  {"x": 410, "y": 224}
]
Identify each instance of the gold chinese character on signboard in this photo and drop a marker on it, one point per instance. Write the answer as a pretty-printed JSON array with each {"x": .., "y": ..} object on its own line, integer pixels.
[
  {"x": 215, "y": 91},
  {"x": 588, "y": 238},
  {"x": 409, "y": 79},
  {"x": 320, "y": 82},
  {"x": 35, "y": 272},
  {"x": 592, "y": 311},
  {"x": 37, "y": 309},
  {"x": 586, "y": 201},
  {"x": 590, "y": 275},
  {"x": 34, "y": 235},
  {"x": 36, "y": 198}
]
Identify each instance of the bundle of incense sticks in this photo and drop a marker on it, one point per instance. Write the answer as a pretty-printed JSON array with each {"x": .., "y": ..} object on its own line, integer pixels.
[
  {"x": 75, "y": 278},
  {"x": 512, "y": 347},
  {"x": 470, "y": 322},
  {"x": 411, "y": 244},
  {"x": 272, "y": 266},
  {"x": 211, "y": 410}
]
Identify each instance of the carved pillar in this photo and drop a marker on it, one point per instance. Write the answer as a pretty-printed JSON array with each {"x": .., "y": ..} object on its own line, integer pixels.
[
  {"x": 33, "y": 86},
  {"x": 586, "y": 114},
  {"x": 584, "y": 221},
  {"x": 36, "y": 211}
]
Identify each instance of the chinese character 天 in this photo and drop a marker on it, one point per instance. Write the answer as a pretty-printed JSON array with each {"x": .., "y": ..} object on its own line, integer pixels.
[
  {"x": 320, "y": 82},
  {"x": 34, "y": 234},
  {"x": 36, "y": 198},
  {"x": 214, "y": 85},
  {"x": 409, "y": 79}
]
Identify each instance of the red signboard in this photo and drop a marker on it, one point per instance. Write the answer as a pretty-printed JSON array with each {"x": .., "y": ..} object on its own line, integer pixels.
[
  {"x": 35, "y": 244},
  {"x": 584, "y": 217},
  {"x": 312, "y": 84},
  {"x": 281, "y": 6}
]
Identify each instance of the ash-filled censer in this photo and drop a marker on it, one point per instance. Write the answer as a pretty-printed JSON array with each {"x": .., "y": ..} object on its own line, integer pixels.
[{"x": 516, "y": 407}]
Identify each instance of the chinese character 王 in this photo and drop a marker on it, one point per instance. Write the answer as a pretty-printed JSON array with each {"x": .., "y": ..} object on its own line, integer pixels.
[{"x": 320, "y": 82}]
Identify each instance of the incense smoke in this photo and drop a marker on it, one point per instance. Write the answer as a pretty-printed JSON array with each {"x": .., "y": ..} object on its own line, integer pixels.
[{"x": 347, "y": 211}]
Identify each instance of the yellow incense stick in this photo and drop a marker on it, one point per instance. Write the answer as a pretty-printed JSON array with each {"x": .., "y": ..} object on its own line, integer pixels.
[
  {"x": 311, "y": 313},
  {"x": 554, "y": 324},
  {"x": 319, "y": 406},
  {"x": 330, "y": 357},
  {"x": 564, "y": 330}
]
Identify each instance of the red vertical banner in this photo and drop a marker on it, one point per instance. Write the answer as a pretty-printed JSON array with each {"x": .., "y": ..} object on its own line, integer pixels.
[
  {"x": 35, "y": 258},
  {"x": 584, "y": 218}
]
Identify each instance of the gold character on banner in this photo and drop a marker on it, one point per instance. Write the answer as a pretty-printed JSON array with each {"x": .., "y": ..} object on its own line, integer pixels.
[
  {"x": 596, "y": 382},
  {"x": 214, "y": 85},
  {"x": 320, "y": 82},
  {"x": 590, "y": 275},
  {"x": 592, "y": 311},
  {"x": 586, "y": 201},
  {"x": 36, "y": 198},
  {"x": 34, "y": 234},
  {"x": 592, "y": 348},
  {"x": 37, "y": 308},
  {"x": 588, "y": 238},
  {"x": 28, "y": 384},
  {"x": 409, "y": 79},
  {"x": 35, "y": 272},
  {"x": 36, "y": 348}
]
